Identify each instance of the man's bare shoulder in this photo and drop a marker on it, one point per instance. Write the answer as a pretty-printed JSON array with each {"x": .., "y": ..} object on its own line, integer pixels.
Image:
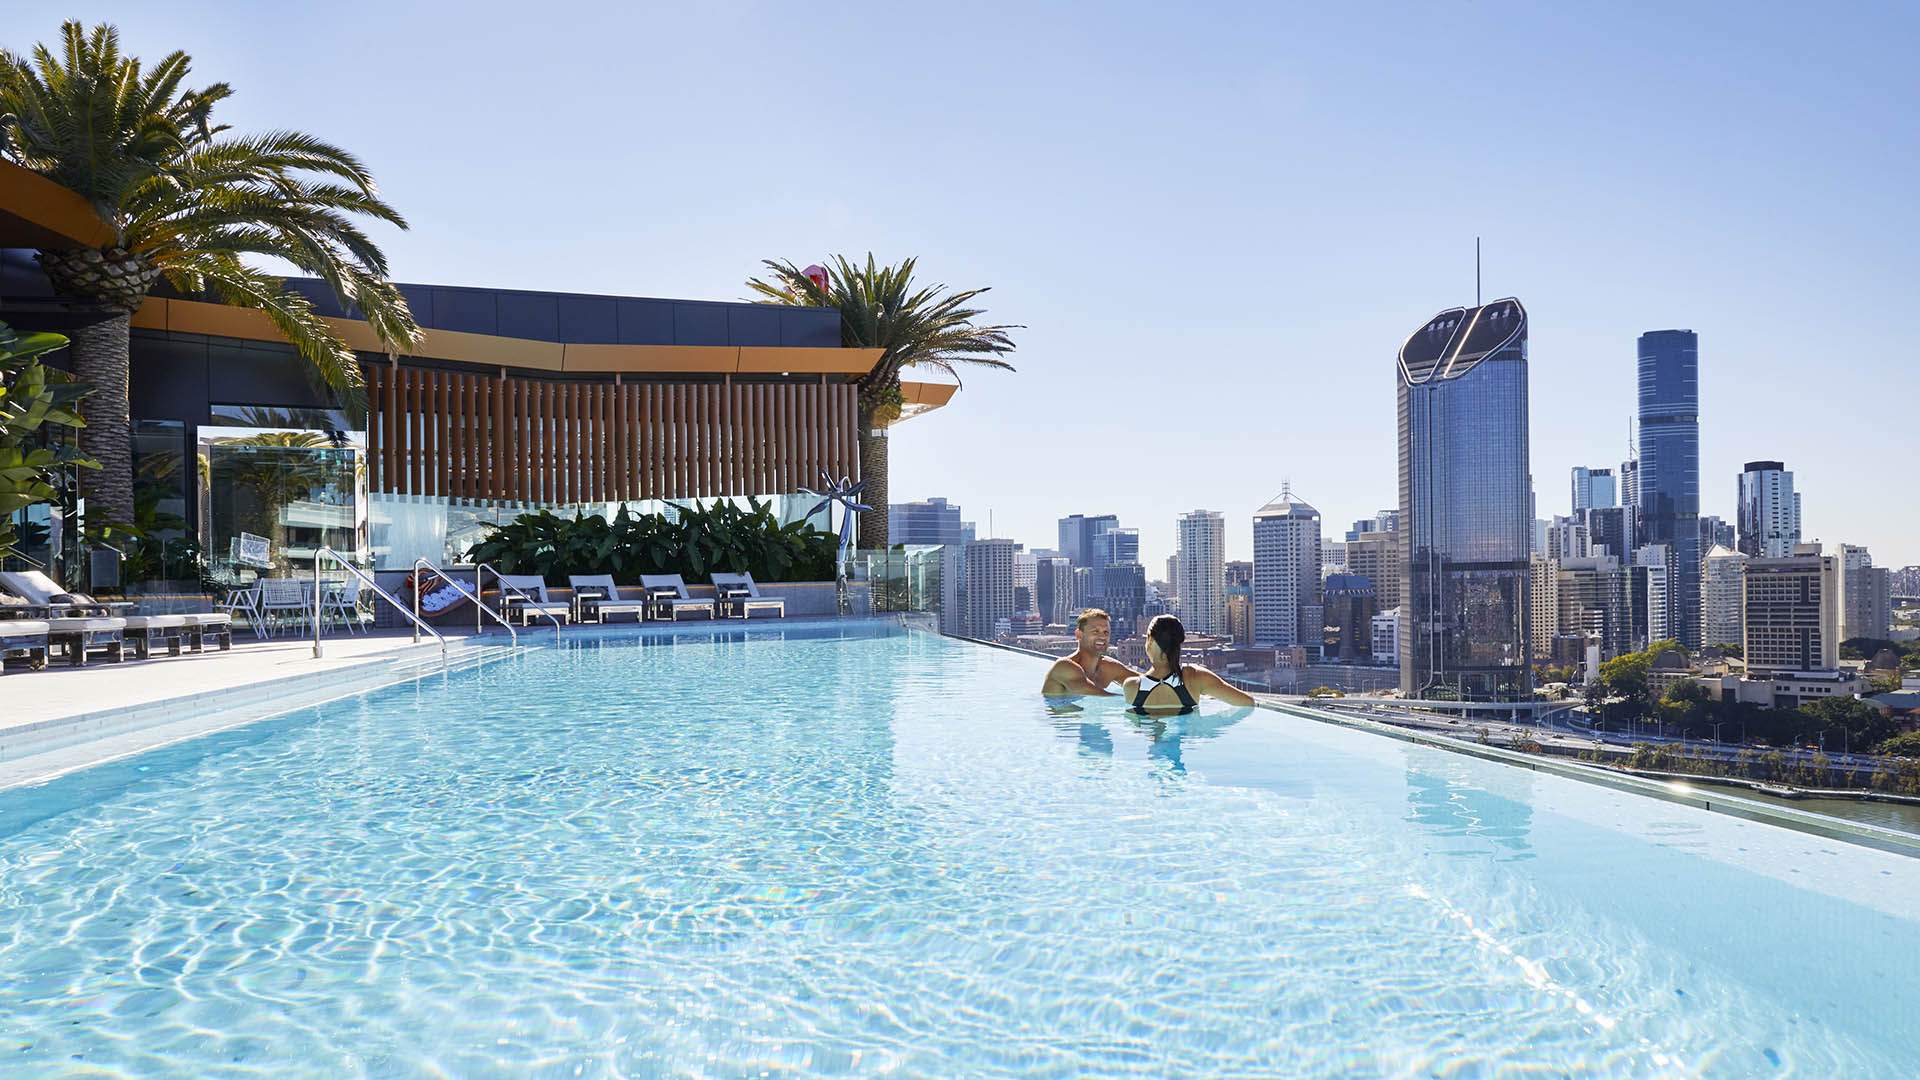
[{"x": 1109, "y": 664}]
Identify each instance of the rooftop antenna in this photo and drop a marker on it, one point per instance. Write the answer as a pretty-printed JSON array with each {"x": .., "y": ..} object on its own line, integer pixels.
[{"x": 1476, "y": 271}]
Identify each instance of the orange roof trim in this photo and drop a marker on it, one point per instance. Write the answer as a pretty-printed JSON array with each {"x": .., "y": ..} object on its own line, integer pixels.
[
  {"x": 35, "y": 212},
  {"x": 221, "y": 320}
]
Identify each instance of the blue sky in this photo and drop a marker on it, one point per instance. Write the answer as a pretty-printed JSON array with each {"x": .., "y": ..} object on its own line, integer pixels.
[{"x": 1216, "y": 222}]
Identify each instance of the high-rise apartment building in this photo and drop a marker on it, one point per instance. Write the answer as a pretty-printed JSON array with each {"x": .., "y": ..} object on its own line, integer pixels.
[
  {"x": 1465, "y": 506},
  {"x": 1173, "y": 575},
  {"x": 1792, "y": 612},
  {"x": 1865, "y": 595},
  {"x": 1347, "y": 615},
  {"x": 1053, "y": 591},
  {"x": 1386, "y": 637},
  {"x": 934, "y": 521},
  {"x": 1593, "y": 489},
  {"x": 1569, "y": 538},
  {"x": 1715, "y": 532},
  {"x": 1654, "y": 615},
  {"x": 1202, "y": 586},
  {"x": 1769, "y": 511},
  {"x": 1286, "y": 569},
  {"x": 1466, "y": 519},
  {"x": 1124, "y": 589},
  {"x": 1670, "y": 466},
  {"x": 1376, "y": 556},
  {"x": 1239, "y": 572},
  {"x": 1025, "y": 571},
  {"x": 1543, "y": 584},
  {"x": 990, "y": 582},
  {"x": 1609, "y": 530},
  {"x": 1722, "y": 596},
  {"x": 1333, "y": 557},
  {"x": 1593, "y": 599},
  {"x": 1080, "y": 538},
  {"x": 1240, "y": 613},
  {"x": 1119, "y": 547}
]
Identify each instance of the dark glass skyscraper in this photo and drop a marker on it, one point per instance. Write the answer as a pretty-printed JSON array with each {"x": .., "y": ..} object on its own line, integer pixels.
[
  {"x": 1466, "y": 521},
  {"x": 1670, "y": 465}
]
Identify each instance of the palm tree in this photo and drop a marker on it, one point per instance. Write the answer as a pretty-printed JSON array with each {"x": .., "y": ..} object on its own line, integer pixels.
[
  {"x": 881, "y": 309},
  {"x": 190, "y": 203}
]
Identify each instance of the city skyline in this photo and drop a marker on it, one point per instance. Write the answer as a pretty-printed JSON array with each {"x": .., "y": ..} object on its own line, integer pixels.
[{"x": 1317, "y": 261}]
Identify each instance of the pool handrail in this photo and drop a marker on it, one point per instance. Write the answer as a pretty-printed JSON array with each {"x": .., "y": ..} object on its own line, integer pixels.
[
  {"x": 367, "y": 580},
  {"x": 505, "y": 588},
  {"x": 481, "y": 605}
]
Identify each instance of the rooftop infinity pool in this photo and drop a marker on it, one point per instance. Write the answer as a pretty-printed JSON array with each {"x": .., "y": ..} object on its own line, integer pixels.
[{"x": 862, "y": 850}]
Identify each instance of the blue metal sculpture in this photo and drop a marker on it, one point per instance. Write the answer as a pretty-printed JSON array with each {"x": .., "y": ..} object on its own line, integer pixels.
[{"x": 847, "y": 494}]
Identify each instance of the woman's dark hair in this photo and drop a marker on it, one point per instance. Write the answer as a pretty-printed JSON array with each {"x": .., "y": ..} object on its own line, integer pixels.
[{"x": 1166, "y": 632}]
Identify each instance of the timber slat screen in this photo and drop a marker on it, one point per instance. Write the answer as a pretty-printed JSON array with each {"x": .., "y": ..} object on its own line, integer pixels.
[{"x": 470, "y": 436}]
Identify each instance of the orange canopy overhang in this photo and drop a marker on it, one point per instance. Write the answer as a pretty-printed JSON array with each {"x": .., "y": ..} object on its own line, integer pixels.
[{"x": 35, "y": 212}]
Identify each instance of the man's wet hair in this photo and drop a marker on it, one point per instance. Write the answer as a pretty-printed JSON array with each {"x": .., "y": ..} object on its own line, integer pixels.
[{"x": 1089, "y": 615}]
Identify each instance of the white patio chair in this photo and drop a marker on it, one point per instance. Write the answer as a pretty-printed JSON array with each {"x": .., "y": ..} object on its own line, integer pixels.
[{"x": 285, "y": 599}]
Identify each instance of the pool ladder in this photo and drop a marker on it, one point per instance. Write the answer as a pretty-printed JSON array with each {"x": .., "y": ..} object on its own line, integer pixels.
[
  {"x": 481, "y": 610},
  {"x": 367, "y": 580}
]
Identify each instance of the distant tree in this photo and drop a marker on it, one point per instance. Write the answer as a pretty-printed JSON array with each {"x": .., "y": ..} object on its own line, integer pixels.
[
  {"x": 1325, "y": 692},
  {"x": 1905, "y": 744},
  {"x": 1863, "y": 723},
  {"x": 1689, "y": 705}
]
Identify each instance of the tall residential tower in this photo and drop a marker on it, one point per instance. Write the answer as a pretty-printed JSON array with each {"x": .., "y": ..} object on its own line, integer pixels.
[
  {"x": 1669, "y": 479},
  {"x": 1466, "y": 520}
]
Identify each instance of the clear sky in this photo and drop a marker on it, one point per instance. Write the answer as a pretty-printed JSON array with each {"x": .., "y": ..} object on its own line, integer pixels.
[{"x": 1217, "y": 223}]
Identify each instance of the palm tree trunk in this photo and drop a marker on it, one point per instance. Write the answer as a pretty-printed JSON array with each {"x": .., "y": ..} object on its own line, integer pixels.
[
  {"x": 101, "y": 355},
  {"x": 873, "y": 469}
]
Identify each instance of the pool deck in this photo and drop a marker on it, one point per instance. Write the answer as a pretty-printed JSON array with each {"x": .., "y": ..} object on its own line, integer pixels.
[{"x": 60, "y": 692}]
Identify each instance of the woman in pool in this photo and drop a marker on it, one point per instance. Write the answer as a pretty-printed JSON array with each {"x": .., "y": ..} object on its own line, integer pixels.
[{"x": 1168, "y": 685}]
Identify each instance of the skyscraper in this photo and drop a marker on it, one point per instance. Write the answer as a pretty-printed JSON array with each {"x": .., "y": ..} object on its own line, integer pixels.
[
  {"x": 1118, "y": 547},
  {"x": 1202, "y": 588},
  {"x": 1376, "y": 556},
  {"x": 1722, "y": 596},
  {"x": 1593, "y": 489},
  {"x": 1080, "y": 537},
  {"x": 1793, "y": 612},
  {"x": 1865, "y": 594},
  {"x": 1466, "y": 520},
  {"x": 1769, "y": 511},
  {"x": 1053, "y": 590},
  {"x": 934, "y": 521},
  {"x": 1670, "y": 466},
  {"x": 1609, "y": 527},
  {"x": 989, "y": 596},
  {"x": 1286, "y": 569}
]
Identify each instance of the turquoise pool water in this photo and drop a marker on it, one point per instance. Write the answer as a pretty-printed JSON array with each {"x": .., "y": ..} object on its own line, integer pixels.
[{"x": 867, "y": 851}]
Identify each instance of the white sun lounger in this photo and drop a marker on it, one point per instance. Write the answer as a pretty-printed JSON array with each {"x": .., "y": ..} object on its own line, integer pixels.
[
  {"x": 524, "y": 596},
  {"x": 670, "y": 596},
  {"x": 76, "y": 622},
  {"x": 595, "y": 596},
  {"x": 739, "y": 593}
]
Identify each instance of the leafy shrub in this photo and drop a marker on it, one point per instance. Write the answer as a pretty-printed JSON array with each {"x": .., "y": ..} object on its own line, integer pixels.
[{"x": 722, "y": 537}]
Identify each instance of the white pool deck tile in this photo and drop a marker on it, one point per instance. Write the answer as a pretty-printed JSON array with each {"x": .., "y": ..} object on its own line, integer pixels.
[{"x": 31, "y": 698}]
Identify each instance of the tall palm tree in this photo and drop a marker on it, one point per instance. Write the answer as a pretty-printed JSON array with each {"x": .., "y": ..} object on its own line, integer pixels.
[
  {"x": 190, "y": 203},
  {"x": 880, "y": 308}
]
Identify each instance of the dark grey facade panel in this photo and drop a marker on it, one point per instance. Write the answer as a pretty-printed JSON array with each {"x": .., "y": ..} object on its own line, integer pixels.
[
  {"x": 699, "y": 324},
  {"x": 589, "y": 320},
  {"x": 645, "y": 322},
  {"x": 753, "y": 324},
  {"x": 534, "y": 316}
]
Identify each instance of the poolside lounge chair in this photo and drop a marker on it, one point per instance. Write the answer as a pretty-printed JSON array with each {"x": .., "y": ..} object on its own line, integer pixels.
[
  {"x": 670, "y": 597},
  {"x": 524, "y": 596},
  {"x": 75, "y": 621},
  {"x": 595, "y": 596},
  {"x": 737, "y": 592},
  {"x": 202, "y": 625},
  {"x": 21, "y": 635}
]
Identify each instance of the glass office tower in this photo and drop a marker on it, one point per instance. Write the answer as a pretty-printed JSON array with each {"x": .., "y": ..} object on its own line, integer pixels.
[
  {"x": 1466, "y": 518},
  {"x": 1670, "y": 465}
]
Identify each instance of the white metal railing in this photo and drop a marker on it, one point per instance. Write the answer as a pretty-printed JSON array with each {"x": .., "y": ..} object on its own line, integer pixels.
[
  {"x": 367, "y": 580},
  {"x": 481, "y": 608},
  {"x": 505, "y": 589}
]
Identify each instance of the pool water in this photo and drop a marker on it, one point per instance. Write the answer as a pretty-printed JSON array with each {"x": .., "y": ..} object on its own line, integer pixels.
[{"x": 861, "y": 850}]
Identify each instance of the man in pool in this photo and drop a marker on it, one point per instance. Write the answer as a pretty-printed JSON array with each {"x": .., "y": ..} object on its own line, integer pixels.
[{"x": 1089, "y": 671}]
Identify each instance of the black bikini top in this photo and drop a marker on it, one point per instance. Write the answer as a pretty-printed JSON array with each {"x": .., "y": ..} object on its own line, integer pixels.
[{"x": 1179, "y": 686}]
